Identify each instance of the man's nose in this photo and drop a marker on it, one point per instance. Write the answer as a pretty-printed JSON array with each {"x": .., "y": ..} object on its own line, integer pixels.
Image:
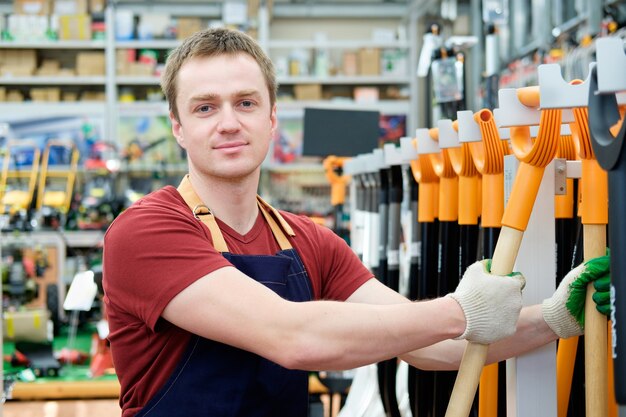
[{"x": 228, "y": 119}]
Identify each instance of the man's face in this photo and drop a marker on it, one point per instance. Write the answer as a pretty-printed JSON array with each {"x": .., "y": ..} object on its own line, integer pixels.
[{"x": 225, "y": 117}]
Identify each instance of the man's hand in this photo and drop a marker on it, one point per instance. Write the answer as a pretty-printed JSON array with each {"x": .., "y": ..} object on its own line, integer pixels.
[
  {"x": 491, "y": 303},
  {"x": 565, "y": 310}
]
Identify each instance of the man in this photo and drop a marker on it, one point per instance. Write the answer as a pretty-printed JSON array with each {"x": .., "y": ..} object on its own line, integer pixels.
[{"x": 218, "y": 304}]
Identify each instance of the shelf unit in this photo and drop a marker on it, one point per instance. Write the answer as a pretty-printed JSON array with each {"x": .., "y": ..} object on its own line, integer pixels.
[
  {"x": 352, "y": 30},
  {"x": 111, "y": 83}
]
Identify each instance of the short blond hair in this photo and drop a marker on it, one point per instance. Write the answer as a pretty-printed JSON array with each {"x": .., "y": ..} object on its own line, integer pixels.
[{"x": 213, "y": 42}]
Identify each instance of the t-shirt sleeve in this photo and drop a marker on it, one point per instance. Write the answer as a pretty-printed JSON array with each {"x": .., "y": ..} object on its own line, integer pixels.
[
  {"x": 342, "y": 272},
  {"x": 150, "y": 255}
]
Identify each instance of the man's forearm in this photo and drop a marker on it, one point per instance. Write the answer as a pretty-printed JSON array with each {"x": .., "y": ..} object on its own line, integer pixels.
[{"x": 532, "y": 332}]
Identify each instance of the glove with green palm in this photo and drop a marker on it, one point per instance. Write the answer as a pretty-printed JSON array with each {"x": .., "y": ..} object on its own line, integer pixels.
[{"x": 564, "y": 312}]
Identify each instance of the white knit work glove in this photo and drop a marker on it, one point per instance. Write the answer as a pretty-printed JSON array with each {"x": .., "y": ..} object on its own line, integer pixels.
[
  {"x": 491, "y": 303},
  {"x": 564, "y": 312}
]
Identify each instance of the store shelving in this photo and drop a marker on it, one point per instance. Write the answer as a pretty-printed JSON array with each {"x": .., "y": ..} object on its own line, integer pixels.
[
  {"x": 343, "y": 79},
  {"x": 111, "y": 82},
  {"x": 53, "y": 80},
  {"x": 53, "y": 44},
  {"x": 18, "y": 112}
]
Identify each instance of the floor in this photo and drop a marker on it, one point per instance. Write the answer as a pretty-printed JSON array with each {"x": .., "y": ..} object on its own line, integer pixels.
[{"x": 61, "y": 408}]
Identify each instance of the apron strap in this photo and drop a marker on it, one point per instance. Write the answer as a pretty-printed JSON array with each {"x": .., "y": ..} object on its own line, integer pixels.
[
  {"x": 202, "y": 212},
  {"x": 205, "y": 215}
]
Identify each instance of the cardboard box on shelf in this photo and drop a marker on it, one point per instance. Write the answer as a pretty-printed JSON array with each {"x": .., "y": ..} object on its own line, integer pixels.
[
  {"x": 66, "y": 72},
  {"x": 16, "y": 71},
  {"x": 45, "y": 94},
  {"x": 19, "y": 58},
  {"x": 350, "y": 65},
  {"x": 75, "y": 27},
  {"x": 3, "y": 94},
  {"x": 369, "y": 61},
  {"x": 307, "y": 91},
  {"x": 123, "y": 59},
  {"x": 366, "y": 94},
  {"x": 40, "y": 7},
  {"x": 15, "y": 96},
  {"x": 97, "y": 6},
  {"x": 69, "y": 96},
  {"x": 48, "y": 67},
  {"x": 92, "y": 96},
  {"x": 140, "y": 69},
  {"x": 90, "y": 63},
  {"x": 62, "y": 7},
  {"x": 187, "y": 26}
]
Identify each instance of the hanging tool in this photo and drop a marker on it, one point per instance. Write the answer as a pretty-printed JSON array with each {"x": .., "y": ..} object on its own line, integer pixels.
[
  {"x": 487, "y": 149},
  {"x": 566, "y": 229},
  {"x": 333, "y": 168},
  {"x": 449, "y": 273},
  {"x": 607, "y": 78},
  {"x": 427, "y": 213},
  {"x": 410, "y": 153},
  {"x": 364, "y": 398},
  {"x": 534, "y": 157},
  {"x": 557, "y": 94},
  {"x": 388, "y": 270},
  {"x": 395, "y": 159},
  {"x": 469, "y": 197}
]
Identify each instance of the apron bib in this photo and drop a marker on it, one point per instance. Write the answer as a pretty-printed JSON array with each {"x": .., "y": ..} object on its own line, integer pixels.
[{"x": 213, "y": 379}]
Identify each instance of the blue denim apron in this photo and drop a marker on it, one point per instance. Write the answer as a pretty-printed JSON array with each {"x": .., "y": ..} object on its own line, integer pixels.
[{"x": 214, "y": 379}]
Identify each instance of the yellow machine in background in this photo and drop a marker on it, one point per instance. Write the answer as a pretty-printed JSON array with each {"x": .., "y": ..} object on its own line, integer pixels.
[
  {"x": 18, "y": 182},
  {"x": 56, "y": 183}
]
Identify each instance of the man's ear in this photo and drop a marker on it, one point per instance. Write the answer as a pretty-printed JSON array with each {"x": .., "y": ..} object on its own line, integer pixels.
[
  {"x": 177, "y": 129},
  {"x": 273, "y": 120}
]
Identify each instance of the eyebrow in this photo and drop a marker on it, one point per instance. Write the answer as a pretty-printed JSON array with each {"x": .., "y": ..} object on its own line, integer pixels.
[{"x": 211, "y": 96}]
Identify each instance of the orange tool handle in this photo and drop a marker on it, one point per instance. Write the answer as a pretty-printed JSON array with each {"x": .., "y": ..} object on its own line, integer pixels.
[
  {"x": 337, "y": 182},
  {"x": 448, "y": 182},
  {"x": 428, "y": 198},
  {"x": 488, "y": 157},
  {"x": 468, "y": 189}
]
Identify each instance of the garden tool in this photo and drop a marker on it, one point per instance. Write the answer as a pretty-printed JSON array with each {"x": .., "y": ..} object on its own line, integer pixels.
[
  {"x": 557, "y": 94},
  {"x": 607, "y": 143},
  {"x": 534, "y": 156}
]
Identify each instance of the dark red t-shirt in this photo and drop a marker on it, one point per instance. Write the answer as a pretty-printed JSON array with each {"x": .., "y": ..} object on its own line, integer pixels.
[{"x": 156, "y": 248}]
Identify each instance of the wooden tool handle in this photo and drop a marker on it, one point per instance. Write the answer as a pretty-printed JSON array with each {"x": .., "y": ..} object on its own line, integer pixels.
[
  {"x": 475, "y": 353},
  {"x": 596, "y": 379}
]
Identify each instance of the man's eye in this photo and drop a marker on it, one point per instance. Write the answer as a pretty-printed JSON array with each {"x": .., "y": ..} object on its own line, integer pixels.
[
  {"x": 247, "y": 103},
  {"x": 204, "y": 109}
]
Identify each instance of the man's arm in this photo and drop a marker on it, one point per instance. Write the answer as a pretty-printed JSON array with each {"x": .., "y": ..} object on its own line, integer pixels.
[
  {"x": 532, "y": 332},
  {"x": 231, "y": 308}
]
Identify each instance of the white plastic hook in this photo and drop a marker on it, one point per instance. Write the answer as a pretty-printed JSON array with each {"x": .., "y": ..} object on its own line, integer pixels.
[
  {"x": 393, "y": 156},
  {"x": 351, "y": 166},
  {"x": 425, "y": 144},
  {"x": 611, "y": 62},
  {"x": 448, "y": 137},
  {"x": 378, "y": 160},
  {"x": 512, "y": 112},
  {"x": 556, "y": 93},
  {"x": 468, "y": 128},
  {"x": 409, "y": 152}
]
